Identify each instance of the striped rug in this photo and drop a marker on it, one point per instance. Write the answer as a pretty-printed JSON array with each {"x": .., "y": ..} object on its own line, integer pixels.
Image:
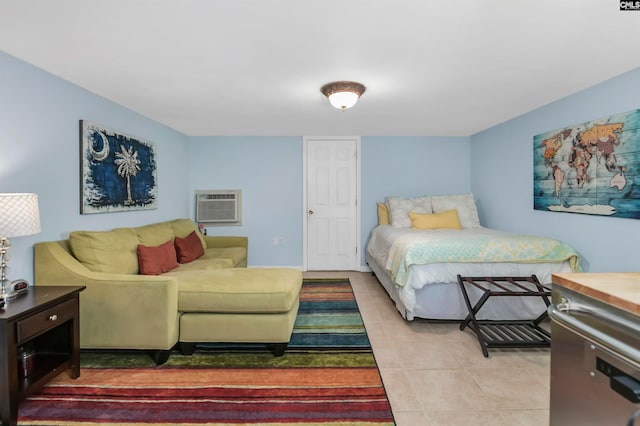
[{"x": 328, "y": 376}]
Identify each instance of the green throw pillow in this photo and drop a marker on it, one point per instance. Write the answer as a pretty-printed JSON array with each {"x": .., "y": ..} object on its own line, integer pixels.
[{"x": 106, "y": 251}]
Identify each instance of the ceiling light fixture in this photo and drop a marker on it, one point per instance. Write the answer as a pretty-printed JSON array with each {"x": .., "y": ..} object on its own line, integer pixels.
[{"x": 343, "y": 94}]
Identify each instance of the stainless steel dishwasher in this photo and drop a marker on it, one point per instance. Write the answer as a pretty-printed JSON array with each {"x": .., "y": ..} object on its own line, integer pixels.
[{"x": 595, "y": 362}]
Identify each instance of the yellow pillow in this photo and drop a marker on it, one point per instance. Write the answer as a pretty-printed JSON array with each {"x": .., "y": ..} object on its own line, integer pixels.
[
  {"x": 445, "y": 220},
  {"x": 155, "y": 234},
  {"x": 383, "y": 214},
  {"x": 106, "y": 251}
]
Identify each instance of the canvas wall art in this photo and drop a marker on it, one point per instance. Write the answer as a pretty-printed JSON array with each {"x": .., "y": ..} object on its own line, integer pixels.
[
  {"x": 118, "y": 171},
  {"x": 590, "y": 168}
]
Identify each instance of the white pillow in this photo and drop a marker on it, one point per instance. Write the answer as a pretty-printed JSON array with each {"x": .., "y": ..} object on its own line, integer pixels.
[
  {"x": 399, "y": 209},
  {"x": 464, "y": 203}
]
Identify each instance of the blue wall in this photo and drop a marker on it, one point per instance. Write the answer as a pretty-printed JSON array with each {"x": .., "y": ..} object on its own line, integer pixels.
[
  {"x": 502, "y": 177},
  {"x": 39, "y": 152},
  {"x": 410, "y": 167},
  {"x": 269, "y": 172}
]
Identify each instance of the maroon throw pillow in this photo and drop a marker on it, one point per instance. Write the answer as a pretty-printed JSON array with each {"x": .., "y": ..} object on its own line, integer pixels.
[
  {"x": 156, "y": 260},
  {"x": 189, "y": 248}
]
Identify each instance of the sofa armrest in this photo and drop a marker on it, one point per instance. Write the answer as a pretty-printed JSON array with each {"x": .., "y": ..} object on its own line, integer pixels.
[
  {"x": 116, "y": 310},
  {"x": 221, "y": 242}
]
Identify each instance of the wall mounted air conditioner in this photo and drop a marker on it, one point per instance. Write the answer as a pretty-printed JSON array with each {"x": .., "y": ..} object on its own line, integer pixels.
[{"x": 219, "y": 207}]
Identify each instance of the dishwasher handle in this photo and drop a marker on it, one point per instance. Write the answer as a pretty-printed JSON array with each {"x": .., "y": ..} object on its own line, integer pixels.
[
  {"x": 626, "y": 386},
  {"x": 616, "y": 347}
]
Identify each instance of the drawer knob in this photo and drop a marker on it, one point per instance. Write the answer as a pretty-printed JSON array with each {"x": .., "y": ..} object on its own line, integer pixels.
[{"x": 53, "y": 317}]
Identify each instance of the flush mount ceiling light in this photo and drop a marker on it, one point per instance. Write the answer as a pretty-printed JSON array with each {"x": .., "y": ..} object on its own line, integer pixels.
[{"x": 343, "y": 94}]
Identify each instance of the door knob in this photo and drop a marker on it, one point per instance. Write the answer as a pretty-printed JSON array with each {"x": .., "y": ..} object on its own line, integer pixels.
[{"x": 310, "y": 212}]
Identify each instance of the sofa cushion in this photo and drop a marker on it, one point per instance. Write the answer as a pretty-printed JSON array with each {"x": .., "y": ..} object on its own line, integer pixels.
[
  {"x": 184, "y": 227},
  {"x": 237, "y": 255},
  {"x": 189, "y": 248},
  {"x": 106, "y": 251},
  {"x": 154, "y": 234},
  {"x": 158, "y": 259},
  {"x": 202, "y": 264},
  {"x": 255, "y": 290}
]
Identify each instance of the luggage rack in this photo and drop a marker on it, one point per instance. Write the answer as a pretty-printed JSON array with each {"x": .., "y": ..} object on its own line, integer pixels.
[{"x": 506, "y": 333}]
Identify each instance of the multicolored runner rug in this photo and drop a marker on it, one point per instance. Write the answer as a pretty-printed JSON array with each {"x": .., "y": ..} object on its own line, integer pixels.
[{"x": 328, "y": 376}]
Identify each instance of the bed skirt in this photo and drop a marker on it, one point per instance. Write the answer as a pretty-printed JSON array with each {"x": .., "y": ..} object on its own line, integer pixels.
[{"x": 444, "y": 301}]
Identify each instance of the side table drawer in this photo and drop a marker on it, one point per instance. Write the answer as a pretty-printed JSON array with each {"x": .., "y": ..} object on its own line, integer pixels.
[{"x": 45, "y": 320}]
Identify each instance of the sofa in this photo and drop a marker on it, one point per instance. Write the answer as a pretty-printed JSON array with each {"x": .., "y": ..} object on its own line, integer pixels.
[{"x": 156, "y": 286}]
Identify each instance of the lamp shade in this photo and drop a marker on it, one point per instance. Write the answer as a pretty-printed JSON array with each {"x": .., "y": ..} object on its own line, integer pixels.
[
  {"x": 19, "y": 215},
  {"x": 343, "y": 94}
]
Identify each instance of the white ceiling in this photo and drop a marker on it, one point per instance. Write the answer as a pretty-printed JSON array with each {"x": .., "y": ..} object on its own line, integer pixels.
[{"x": 255, "y": 67}]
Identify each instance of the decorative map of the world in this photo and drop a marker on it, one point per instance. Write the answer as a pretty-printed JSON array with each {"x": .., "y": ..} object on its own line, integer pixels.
[{"x": 590, "y": 168}]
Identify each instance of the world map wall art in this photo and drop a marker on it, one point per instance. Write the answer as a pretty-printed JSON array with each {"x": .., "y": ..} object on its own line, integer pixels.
[
  {"x": 590, "y": 168},
  {"x": 117, "y": 171}
]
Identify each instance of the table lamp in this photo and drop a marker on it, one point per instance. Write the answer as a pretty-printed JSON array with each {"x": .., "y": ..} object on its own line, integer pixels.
[{"x": 19, "y": 216}]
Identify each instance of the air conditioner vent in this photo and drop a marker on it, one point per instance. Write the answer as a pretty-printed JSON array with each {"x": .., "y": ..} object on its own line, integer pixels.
[{"x": 220, "y": 207}]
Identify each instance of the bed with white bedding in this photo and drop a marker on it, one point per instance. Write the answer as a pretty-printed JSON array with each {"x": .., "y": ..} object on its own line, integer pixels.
[{"x": 419, "y": 267}]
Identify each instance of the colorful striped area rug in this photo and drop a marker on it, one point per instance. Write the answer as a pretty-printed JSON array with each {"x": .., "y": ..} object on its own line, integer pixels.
[{"x": 327, "y": 376}]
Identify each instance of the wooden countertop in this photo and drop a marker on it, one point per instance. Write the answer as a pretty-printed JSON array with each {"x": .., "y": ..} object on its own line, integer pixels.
[{"x": 620, "y": 289}]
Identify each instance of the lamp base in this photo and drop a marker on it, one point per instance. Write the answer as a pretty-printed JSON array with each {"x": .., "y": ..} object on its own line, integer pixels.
[{"x": 6, "y": 294}]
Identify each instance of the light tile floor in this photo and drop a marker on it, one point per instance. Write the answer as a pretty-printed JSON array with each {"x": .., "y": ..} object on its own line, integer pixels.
[{"x": 436, "y": 375}]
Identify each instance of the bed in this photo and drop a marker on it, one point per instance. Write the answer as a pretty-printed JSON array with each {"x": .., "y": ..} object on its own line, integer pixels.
[{"x": 417, "y": 263}]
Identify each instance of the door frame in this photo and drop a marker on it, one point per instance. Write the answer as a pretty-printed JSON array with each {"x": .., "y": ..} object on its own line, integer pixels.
[{"x": 305, "y": 140}]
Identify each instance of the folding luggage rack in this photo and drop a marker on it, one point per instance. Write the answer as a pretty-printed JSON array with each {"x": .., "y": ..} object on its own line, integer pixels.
[{"x": 506, "y": 333}]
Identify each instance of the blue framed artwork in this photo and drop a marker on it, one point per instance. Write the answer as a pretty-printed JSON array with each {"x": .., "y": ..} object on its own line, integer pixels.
[
  {"x": 117, "y": 171},
  {"x": 590, "y": 168}
]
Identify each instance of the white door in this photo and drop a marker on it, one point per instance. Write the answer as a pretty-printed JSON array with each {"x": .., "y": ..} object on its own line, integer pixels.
[{"x": 332, "y": 231}]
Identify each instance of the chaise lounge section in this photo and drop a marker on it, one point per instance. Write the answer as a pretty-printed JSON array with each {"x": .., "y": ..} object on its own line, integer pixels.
[{"x": 138, "y": 297}]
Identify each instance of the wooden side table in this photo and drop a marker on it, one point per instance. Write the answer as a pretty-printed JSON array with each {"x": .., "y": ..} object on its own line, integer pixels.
[{"x": 44, "y": 321}]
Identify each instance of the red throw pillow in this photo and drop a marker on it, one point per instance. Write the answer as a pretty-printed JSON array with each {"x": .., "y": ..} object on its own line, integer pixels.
[
  {"x": 189, "y": 248},
  {"x": 156, "y": 260}
]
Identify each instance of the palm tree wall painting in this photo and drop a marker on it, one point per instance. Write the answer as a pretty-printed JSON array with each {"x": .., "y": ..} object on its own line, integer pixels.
[{"x": 118, "y": 171}]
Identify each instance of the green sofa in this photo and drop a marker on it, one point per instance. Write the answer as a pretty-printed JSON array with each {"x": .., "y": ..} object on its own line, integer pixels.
[{"x": 214, "y": 298}]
